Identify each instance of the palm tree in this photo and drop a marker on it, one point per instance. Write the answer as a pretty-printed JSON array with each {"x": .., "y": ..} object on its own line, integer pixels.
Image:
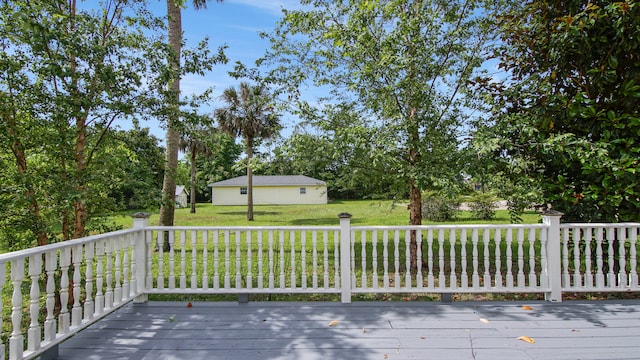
[
  {"x": 249, "y": 114},
  {"x": 194, "y": 141},
  {"x": 167, "y": 209}
]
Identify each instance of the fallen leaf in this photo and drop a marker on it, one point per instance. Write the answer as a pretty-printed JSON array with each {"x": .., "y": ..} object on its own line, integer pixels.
[
  {"x": 386, "y": 356},
  {"x": 406, "y": 299},
  {"x": 364, "y": 331},
  {"x": 189, "y": 304},
  {"x": 527, "y": 307},
  {"x": 574, "y": 330},
  {"x": 172, "y": 318},
  {"x": 484, "y": 320},
  {"x": 527, "y": 339},
  {"x": 422, "y": 337},
  {"x": 334, "y": 323}
]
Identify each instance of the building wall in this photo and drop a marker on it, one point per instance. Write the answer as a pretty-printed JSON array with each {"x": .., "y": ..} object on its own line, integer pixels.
[{"x": 270, "y": 195}]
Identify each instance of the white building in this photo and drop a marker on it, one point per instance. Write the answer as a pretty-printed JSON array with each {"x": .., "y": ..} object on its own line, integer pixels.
[
  {"x": 270, "y": 190},
  {"x": 181, "y": 196}
]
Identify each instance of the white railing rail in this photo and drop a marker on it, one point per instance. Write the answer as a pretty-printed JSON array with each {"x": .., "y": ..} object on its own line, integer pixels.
[{"x": 56, "y": 290}]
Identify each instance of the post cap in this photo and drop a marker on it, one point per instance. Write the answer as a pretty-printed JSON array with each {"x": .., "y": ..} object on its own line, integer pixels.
[
  {"x": 552, "y": 212},
  {"x": 344, "y": 215},
  {"x": 141, "y": 215}
]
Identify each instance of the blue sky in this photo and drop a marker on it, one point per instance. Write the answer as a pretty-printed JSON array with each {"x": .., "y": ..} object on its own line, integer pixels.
[{"x": 235, "y": 23}]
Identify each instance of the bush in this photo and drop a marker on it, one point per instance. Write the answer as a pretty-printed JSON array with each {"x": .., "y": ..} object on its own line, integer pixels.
[
  {"x": 483, "y": 206},
  {"x": 436, "y": 207}
]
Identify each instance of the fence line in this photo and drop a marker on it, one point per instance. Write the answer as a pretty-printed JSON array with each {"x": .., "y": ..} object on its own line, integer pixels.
[{"x": 56, "y": 290}]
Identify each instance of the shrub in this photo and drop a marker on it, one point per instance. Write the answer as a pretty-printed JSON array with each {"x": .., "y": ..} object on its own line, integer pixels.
[
  {"x": 483, "y": 206},
  {"x": 436, "y": 207}
]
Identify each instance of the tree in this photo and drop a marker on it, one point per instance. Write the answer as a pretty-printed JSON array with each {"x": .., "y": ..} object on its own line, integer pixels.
[
  {"x": 249, "y": 114},
  {"x": 404, "y": 64},
  {"x": 194, "y": 141},
  {"x": 568, "y": 116},
  {"x": 174, "y": 20},
  {"x": 67, "y": 74}
]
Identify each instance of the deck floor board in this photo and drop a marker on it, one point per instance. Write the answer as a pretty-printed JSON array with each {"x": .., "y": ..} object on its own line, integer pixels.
[{"x": 364, "y": 330}]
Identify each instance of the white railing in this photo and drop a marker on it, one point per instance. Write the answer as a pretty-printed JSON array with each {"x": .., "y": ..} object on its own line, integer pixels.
[{"x": 56, "y": 290}]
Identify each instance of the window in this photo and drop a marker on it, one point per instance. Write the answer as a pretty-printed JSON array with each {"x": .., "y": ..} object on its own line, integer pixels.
[
  {"x": 303, "y": 190},
  {"x": 243, "y": 191}
]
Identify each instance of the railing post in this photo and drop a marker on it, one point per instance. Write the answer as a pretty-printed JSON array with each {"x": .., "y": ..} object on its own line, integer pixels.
[
  {"x": 345, "y": 257},
  {"x": 554, "y": 271},
  {"x": 140, "y": 221}
]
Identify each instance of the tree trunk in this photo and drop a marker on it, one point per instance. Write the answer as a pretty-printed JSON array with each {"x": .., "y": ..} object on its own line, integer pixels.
[
  {"x": 249, "y": 180},
  {"x": 192, "y": 197},
  {"x": 167, "y": 209},
  {"x": 415, "y": 218}
]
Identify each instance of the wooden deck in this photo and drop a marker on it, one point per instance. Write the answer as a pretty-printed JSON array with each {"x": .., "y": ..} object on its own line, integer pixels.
[{"x": 363, "y": 330}]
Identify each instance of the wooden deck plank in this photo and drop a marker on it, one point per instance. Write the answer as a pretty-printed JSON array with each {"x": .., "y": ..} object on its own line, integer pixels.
[{"x": 411, "y": 330}]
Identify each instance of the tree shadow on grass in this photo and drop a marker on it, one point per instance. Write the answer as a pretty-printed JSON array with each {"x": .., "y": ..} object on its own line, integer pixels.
[{"x": 256, "y": 213}]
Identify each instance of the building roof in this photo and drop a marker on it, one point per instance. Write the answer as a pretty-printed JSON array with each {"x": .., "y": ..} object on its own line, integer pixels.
[
  {"x": 271, "y": 180},
  {"x": 180, "y": 189}
]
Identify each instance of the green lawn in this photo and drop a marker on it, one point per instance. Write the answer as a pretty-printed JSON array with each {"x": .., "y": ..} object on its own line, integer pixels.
[{"x": 364, "y": 212}]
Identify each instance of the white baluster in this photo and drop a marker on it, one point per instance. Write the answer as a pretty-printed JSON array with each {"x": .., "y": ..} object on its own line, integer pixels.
[
  {"x": 227, "y": 260},
  {"x": 509, "y": 275},
  {"x": 487, "y": 263},
  {"x": 126, "y": 266},
  {"x": 117, "y": 290},
  {"x": 148, "y": 266},
  {"x": 588, "y": 274},
  {"x": 374, "y": 258},
  {"x": 441, "y": 273},
  {"x": 633, "y": 274},
  {"x": 600, "y": 284},
  {"x": 63, "y": 317},
  {"x": 183, "y": 258},
  {"x": 260, "y": 262},
  {"x": 407, "y": 257},
  {"x": 352, "y": 243},
  {"x": 419, "y": 280},
  {"x": 622, "y": 258},
  {"x": 611, "y": 275},
  {"x": 271, "y": 261},
  {"x": 544, "y": 263},
  {"x": 566, "y": 279},
  {"x": 160, "y": 281},
  {"x": 50, "y": 321},
  {"x": 453, "y": 277},
  {"x": 464, "y": 277},
  {"x": 194, "y": 257},
  {"x": 396, "y": 258},
  {"x": 205, "y": 259},
  {"x": 108, "y": 294},
  {"x": 363, "y": 255},
  {"x": 336, "y": 259},
  {"x": 325, "y": 259},
  {"x": 249, "y": 261},
  {"x": 577, "y": 277},
  {"x": 281, "y": 254},
  {"x": 16, "y": 346},
  {"x": 89, "y": 253},
  {"x": 303, "y": 259},
  {"x": 238, "y": 261},
  {"x": 172, "y": 263},
  {"x": 430, "y": 276},
  {"x": 76, "y": 310},
  {"x": 216, "y": 261},
  {"x": 385, "y": 258},
  {"x": 475, "y": 277},
  {"x": 34, "y": 332},
  {"x": 520, "y": 239},
  {"x": 533, "y": 277},
  {"x": 292, "y": 243},
  {"x": 498, "y": 260},
  {"x": 314, "y": 244}
]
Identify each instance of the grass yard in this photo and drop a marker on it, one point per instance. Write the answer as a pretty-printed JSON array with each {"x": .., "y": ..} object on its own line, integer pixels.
[{"x": 364, "y": 212}]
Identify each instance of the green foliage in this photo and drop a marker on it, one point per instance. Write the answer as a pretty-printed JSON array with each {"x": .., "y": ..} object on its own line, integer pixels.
[
  {"x": 568, "y": 116},
  {"x": 400, "y": 66},
  {"x": 483, "y": 205},
  {"x": 437, "y": 207}
]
